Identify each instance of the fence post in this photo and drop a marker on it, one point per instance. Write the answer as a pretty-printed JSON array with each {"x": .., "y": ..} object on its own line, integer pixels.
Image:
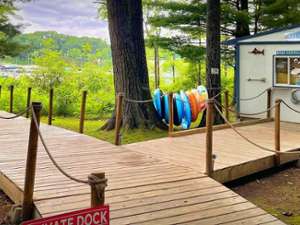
[
  {"x": 82, "y": 112},
  {"x": 0, "y": 90},
  {"x": 98, "y": 183},
  {"x": 209, "y": 137},
  {"x": 269, "y": 102},
  {"x": 226, "y": 102},
  {"x": 27, "y": 207},
  {"x": 28, "y": 101},
  {"x": 50, "y": 113},
  {"x": 277, "y": 131},
  {"x": 11, "y": 99},
  {"x": 118, "y": 118},
  {"x": 171, "y": 113}
]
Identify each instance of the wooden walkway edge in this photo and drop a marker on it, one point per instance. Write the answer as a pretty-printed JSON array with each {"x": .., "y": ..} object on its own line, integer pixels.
[{"x": 154, "y": 182}]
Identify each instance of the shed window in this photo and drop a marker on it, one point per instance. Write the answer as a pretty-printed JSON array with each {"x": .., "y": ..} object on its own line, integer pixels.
[{"x": 287, "y": 71}]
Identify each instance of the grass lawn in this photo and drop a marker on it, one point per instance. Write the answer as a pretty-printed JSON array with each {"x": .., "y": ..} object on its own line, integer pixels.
[{"x": 92, "y": 128}]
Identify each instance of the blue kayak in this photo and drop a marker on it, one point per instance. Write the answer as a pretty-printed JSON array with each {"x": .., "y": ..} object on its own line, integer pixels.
[
  {"x": 187, "y": 112},
  {"x": 157, "y": 102},
  {"x": 178, "y": 109}
]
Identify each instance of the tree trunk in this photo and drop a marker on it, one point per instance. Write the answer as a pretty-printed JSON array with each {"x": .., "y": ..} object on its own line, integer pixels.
[
  {"x": 125, "y": 20},
  {"x": 156, "y": 66},
  {"x": 242, "y": 27},
  {"x": 173, "y": 68},
  {"x": 199, "y": 74},
  {"x": 213, "y": 77},
  {"x": 257, "y": 13}
]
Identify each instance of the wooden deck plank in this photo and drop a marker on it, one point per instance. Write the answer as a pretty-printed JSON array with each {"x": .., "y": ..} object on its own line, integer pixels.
[{"x": 155, "y": 182}]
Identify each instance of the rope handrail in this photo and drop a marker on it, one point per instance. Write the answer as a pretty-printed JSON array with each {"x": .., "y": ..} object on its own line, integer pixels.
[
  {"x": 138, "y": 101},
  {"x": 16, "y": 115},
  {"x": 290, "y": 107},
  {"x": 246, "y": 114},
  {"x": 250, "y": 98},
  {"x": 89, "y": 182},
  {"x": 247, "y": 139}
]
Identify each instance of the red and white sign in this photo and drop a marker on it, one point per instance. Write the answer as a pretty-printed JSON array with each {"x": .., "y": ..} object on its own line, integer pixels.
[{"x": 92, "y": 216}]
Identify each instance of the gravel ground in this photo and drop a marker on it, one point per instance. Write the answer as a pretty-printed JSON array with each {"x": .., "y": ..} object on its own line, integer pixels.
[{"x": 277, "y": 191}]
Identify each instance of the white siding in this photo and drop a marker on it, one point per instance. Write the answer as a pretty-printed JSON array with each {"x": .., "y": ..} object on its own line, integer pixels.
[{"x": 261, "y": 66}]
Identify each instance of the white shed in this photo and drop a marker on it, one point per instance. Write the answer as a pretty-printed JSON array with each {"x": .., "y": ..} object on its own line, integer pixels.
[{"x": 269, "y": 59}]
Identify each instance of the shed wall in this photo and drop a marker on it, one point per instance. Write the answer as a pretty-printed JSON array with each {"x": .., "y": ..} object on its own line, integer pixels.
[{"x": 258, "y": 67}]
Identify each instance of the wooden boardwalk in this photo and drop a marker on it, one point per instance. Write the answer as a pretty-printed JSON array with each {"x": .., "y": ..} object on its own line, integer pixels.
[{"x": 154, "y": 182}]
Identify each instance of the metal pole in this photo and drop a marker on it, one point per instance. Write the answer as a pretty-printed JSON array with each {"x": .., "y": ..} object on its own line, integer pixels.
[
  {"x": 82, "y": 112},
  {"x": 209, "y": 137},
  {"x": 50, "y": 113},
  {"x": 98, "y": 183},
  {"x": 27, "y": 208},
  {"x": 118, "y": 118},
  {"x": 277, "y": 131},
  {"x": 171, "y": 113},
  {"x": 28, "y": 101}
]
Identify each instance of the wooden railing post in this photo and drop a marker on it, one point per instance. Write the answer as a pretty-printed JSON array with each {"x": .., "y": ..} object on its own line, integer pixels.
[
  {"x": 50, "y": 112},
  {"x": 82, "y": 112},
  {"x": 0, "y": 90},
  {"x": 171, "y": 113},
  {"x": 269, "y": 97},
  {"x": 28, "y": 101},
  {"x": 209, "y": 137},
  {"x": 226, "y": 102},
  {"x": 98, "y": 183},
  {"x": 27, "y": 208},
  {"x": 119, "y": 101},
  {"x": 277, "y": 131},
  {"x": 11, "y": 99}
]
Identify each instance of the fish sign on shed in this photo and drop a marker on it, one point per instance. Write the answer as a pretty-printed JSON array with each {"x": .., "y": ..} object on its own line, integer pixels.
[{"x": 92, "y": 216}]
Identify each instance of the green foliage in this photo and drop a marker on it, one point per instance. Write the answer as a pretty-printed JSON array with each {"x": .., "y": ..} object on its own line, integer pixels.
[
  {"x": 75, "y": 49},
  {"x": 92, "y": 129},
  {"x": 280, "y": 13},
  {"x": 68, "y": 80},
  {"x": 8, "y": 47}
]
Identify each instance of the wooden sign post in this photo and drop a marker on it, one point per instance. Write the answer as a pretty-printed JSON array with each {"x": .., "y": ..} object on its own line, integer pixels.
[
  {"x": 277, "y": 131},
  {"x": 27, "y": 208},
  {"x": 82, "y": 112},
  {"x": 118, "y": 118},
  {"x": 50, "y": 113},
  {"x": 11, "y": 99},
  {"x": 209, "y": 137},
  {"x": 28, "y": 101},
  {"x": 171, "y": 113}
]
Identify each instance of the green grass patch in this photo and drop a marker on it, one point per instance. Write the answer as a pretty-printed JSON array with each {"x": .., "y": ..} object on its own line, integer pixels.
[{"x": 92, "y": 128}]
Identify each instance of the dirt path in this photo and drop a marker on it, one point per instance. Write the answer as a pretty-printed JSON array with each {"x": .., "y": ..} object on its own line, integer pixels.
[{"x": 277, "y": 191}]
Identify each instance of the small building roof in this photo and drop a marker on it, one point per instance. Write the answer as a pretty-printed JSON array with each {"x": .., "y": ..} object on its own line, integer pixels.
[{"x": 234, "y": 41}]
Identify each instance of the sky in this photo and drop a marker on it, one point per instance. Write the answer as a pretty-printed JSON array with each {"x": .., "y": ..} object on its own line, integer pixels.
[{"x": 72, "y": 17}]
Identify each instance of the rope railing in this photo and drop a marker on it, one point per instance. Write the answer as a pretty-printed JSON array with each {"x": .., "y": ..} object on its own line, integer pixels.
[
  {"x": 16, "y": 115},
  {"x": 250, "y": 98},
  {"x": 245, "y": 114},
  {"x": 247, "y": 139},
  {"x": 138, "y": 101},
  {"x": 52, "y": 158},
  {"x": 96, "y": 181},
  {"x": 290, "y": 107}
]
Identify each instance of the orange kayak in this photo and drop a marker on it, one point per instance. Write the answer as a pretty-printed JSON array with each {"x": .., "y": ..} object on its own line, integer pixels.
[{"x": 193, "y": 104}]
